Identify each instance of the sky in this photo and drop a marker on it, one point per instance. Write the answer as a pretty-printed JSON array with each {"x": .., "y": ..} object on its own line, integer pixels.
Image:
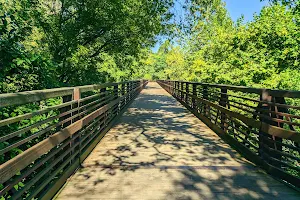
[{"x": 236, "y": 9}]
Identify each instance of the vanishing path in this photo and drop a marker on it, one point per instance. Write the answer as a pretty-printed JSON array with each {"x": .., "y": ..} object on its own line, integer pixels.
[{"x": 159, "y": 150}]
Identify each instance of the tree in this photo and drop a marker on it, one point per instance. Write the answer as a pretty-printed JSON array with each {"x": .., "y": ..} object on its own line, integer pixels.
[
  {"x": 21, "y": 69},
  {"x": 100, "y": 26},
  {"x": 260, "y": 53}
]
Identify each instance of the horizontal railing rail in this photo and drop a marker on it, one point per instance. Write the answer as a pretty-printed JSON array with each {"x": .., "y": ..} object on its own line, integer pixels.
[
  {"x": 263, "y": 124},
  {"x": 46, "y": 134}
]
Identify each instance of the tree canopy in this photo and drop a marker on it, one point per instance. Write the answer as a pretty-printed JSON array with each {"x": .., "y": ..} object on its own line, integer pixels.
[
  {"x": 56, "y": 43},
  {"x": 260, "y": 53},
  {"x": 45, "y": 44},
  {"x": 65, "y": 42}
]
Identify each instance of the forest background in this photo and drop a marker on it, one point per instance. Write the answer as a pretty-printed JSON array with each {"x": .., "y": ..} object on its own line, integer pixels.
[{"x": 57, "y": 43}]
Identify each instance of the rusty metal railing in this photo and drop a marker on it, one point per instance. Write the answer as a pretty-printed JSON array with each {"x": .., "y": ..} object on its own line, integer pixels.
[
  {"x": 262, "y": 124},
  {"x": 46, "y": 134}
]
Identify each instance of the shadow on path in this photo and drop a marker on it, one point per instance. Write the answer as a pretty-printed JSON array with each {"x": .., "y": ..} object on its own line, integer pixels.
[{"x": 159, "y": 150}]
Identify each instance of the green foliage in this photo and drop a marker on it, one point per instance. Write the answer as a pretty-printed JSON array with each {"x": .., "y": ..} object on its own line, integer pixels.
[
  {"x": 260, "y": 53},
  {"x": 54, "y": 43},
  {"x": 21, "y": 69},
  {"x": 79, "y": 33},
  {"x": 45, "y": 44}
]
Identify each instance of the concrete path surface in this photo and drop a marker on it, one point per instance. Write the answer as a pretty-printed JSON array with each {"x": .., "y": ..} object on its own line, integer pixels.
[{"x": 159, "y": 150}]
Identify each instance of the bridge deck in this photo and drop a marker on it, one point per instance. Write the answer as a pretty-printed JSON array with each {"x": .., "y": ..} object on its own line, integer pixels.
[{"x": 159, "y": 150}]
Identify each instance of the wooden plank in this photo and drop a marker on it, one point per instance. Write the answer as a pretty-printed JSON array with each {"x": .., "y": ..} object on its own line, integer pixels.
[
  {"x": 163, "y": 150},
  {"x": 32, "y": 114},
  {"x": 280, "y": 132},
  {"x": 87, "y": 88},
  {"x": 39, "y": 175},
  {"x": 16, "y": 164},
  {"x": 39, "y": 123},
  {"x": 56, "y": 186},
  {"x": 275, "y": 93},
  {"x": 12, "y": 99},
  {"x": 238, "y": 146},
  {"x": 249, "y": 121},
  {"x": 271, "y": 130},
  {"x": 51, "y": 176}
]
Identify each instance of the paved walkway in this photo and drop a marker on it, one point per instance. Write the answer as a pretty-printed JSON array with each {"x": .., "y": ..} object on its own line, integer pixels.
[{"x": 158, "y": 150}]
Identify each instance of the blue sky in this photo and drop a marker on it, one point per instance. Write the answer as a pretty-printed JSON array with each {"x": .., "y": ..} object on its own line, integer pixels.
[{"x": 236, "y": 9}]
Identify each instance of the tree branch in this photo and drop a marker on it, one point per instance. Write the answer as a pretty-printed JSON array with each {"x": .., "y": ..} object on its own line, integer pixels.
[{"x": 100, "y": 49}]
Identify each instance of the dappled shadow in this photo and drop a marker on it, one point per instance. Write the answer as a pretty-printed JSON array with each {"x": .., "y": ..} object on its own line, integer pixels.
[{"x": 159, "y": 150}]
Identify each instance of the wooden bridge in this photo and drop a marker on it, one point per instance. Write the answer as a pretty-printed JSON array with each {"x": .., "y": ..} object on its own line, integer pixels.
[{"x": 134, "y": 140}]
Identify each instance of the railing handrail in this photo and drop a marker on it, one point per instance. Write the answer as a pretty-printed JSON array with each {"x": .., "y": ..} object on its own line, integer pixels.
[
  {"x": 264, "y": 128},
  {"x": 61, "y": 135},
  {"x": 18, "y": 98},
  {"x": 271, "y": 92}
]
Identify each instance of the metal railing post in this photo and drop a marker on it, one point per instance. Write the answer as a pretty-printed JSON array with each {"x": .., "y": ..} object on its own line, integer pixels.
[
  {"x": 116, "y": 96},
  {"x": 173, "y": 87},
  {"x": 126, "y": 92},
  {"x": 223, "y": 103},
  {"x": 187, "y": 93},
  {"x": 75, "y": 96},
  {"x": 181, "y": 96},
  {"x": 122, "y": 94},
  {"x": 103, "y": 90},
  {"x": 205, "y": 96},
  {"x": 264, "y": 137},
  {"x": 195, "y": 95}
]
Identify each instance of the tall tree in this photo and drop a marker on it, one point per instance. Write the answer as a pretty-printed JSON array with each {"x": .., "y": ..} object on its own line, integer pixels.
[
  {"x": 101, "y": 26},
  {"x": 21, "y": 69}
]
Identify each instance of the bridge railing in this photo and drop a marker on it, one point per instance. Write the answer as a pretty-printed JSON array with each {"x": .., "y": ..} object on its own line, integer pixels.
[
  {"x": 262, "y": 124},
  {"x": 46, "y": 134}
]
